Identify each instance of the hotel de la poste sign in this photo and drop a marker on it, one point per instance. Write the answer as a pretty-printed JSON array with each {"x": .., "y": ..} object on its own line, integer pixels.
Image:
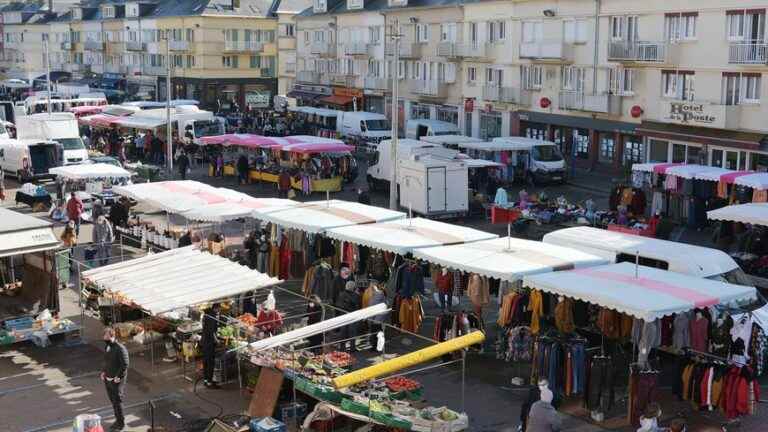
[{"x": 691, "y": 113}]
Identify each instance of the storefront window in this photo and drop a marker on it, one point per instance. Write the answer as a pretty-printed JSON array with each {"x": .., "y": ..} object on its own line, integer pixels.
[
  {"x": 694, "y": 155},
  {"x": 678, "y": 153},
  {"x": 717, "y": 158},
  {"x": 634, "y": 150},
  {"x": 535, "y": 131},
  {"x": 448, "y": 114},
  {"x": 658, "y": 151},
  {"x": 731, "y": 160},
  {"x": 581, "y": 143},
  {"x": 419, "y": 111},
  {"x": 742, "y": 160},
  {"x": 758, "y": 162},
  {"x": 607, "y": 148},
  {"x": 468, "y": 124},
  {"x": 490, "y": 125}
]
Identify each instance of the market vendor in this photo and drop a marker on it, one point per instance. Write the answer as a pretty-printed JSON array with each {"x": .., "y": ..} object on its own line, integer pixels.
[{"x": 208, "y": 343}]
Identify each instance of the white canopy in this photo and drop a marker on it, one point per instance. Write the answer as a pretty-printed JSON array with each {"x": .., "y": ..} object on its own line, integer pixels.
[
  {"x": 508, "y": 258},
  {"x": 753, "y": 213},
  {"x": 450, "y": 140},
  {"x": 691, "y": 171},
  {"x": 138, "y": 121},
  {"x": 479, "y": 163},
  {"x": 756, "y": 181},
  {"x": 319, "y": 216},
  {"x": 651, "y": 295},
  {"x": 405, "y": 235},
  {"x": 21, "y": 234},
  {"x": 222, "y": 212},
  {"x": 173, "y": 196},
  {"x": 177, "y": 278},
  {"x": 90, "y": 171},
  {"x": 519, "y": 144}
]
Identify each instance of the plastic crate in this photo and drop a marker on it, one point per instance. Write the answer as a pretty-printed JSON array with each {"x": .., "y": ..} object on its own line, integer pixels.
[
  {"x": 19, "y": 323},
  {"x": 267, "y": 424},
  {"x": 291, "y": 411}
]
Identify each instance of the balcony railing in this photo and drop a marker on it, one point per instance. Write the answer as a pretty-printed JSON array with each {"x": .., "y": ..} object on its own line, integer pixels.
[
  {"x": 513, "y": 95},
  {"x": 178, "y": 45},
  {"x": 748, "y": 53},
  {"x": 638, "y": 51},
  {"x": 135, "y": 46},
  {"x": 357, "y": 49},
  {"x": 91, "y": 45},
  {"x": 457, "y": 50},
  {"x": 547, "y": 50},
  {"x": 430, "y": 88},
  {"x": 312, "y": 77},
  {"x": 243, "y": 46},
  {"x": 376, "y": 83},
  {"x": 407, "y": 50},
  {"x": 153, "y": 70},
  {"x": 323, "y": 49},
  {"x": 343, "y": 80},
  {"x": 598, "y": 103}
]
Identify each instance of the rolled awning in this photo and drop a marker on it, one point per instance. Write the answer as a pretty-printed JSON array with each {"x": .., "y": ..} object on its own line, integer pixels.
[
  {"x": 303, "y": 95},
  {"x": 337, "y": 100}
]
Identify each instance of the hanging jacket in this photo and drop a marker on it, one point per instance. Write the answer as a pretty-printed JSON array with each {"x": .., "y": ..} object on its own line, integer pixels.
[
  {"x": 411, "y": 281},
  {"x": 322, "y": 284}
]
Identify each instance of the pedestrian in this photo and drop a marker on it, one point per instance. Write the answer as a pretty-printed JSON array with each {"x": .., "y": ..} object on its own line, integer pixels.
[
  {"x": 75, "y": 211},
  {"x": 242, "y": 169},
  {"x": 103, "y": 236},
  {"x": 69, "y": 240},
  {"x": 139, "y": 143},
  {"x": 186, "y": 239},
  {"x": 363, "y": 197},
  {"x": 340, "y": 281},
  {"x": 283, "y": 184},
  {"x": 183, "y": 163},
  {"x": 118, "y": 212},
  {"x": 97, "y": 210},
  {"x": 444, "y": 284},
  {"x": 348, "y": 301},
  {"x": 208, "y": 343},
  {"x": 2, "y": 185},
  {"x": 114, "y": 375},
  {"x": 649, "y": 421},
  {"x": 543, "y": 416}
]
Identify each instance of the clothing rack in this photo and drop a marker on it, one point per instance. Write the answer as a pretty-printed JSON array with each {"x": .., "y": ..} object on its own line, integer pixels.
[{"x": 727, "y": 361}]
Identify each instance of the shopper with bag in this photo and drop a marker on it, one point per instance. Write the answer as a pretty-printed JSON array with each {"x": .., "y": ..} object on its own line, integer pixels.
[
  {"x": 75, "y": 211},
  {"x": 114, "y": 375}
]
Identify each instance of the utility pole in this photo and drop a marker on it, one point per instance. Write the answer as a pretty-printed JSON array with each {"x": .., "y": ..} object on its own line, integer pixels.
[
  {"x": 395, "y": 116},
  {"x": 168, "y": 125},
  {"x": 47, "y": 50}
]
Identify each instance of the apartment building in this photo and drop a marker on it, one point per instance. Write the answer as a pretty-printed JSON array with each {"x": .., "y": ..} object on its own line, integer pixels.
[
  {"x": 23, "y": 27},
  {"x": 286, "y": 42},
  {"x": 612, "y": 82}
]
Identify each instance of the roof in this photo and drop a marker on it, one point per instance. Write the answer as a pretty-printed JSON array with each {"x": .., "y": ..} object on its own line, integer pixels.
[
  {"x": 20, "y": 234},
  {"x": 380, "y": 5},
  {"x": 15, "y": 221},
  {"x": 321, "y": 216},
  {"x": 248, "y": 8},
  {"x": 90, "y": 171},
  {"x": 508, "y": 258},
  {"x": 507, "y": 144},
  {"x": 752, "y": 213},
  {"x": 450, "y": 139},
  {"x": 178, "y": 278},
  {"x": 679, "y": 256},
  {"x": 293, "y": 6},
  {"x": 642, "y": 292}
]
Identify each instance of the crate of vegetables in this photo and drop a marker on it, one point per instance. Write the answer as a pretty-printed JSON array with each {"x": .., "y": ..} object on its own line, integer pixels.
[
  {"x": 355, "y": 406},
  {"x": 324, "y": 392},
  {"x": 339, "y": 359},
  {"x": 404, "y": 388}
]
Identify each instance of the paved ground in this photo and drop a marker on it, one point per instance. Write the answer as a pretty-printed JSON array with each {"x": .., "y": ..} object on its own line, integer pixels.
[{"x": 43, "y": 389}]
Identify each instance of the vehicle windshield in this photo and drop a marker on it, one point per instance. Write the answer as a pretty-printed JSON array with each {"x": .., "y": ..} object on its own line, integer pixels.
[
  {"x": 547, "y": 153},
  {"x": 205, "y": 128},
  {"x": 378, "y": 125},
  {"x": 71, "y": 143}
]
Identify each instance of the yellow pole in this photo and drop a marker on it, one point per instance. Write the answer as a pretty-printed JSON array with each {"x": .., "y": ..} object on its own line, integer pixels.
[{"x": 408, "y": 360}]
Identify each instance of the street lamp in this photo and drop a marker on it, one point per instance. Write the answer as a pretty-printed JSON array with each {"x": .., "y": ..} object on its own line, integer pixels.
[
  {"x": 395, "y": 116},
  {"x": 168, "y": 125},
  {"x": 47, "y": 50}
]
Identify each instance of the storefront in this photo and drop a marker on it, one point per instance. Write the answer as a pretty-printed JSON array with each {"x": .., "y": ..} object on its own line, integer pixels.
[
  {"x": 373, "y": 101},
  {"x": 142, "y": 87},
  {"x": 307, "y": 95},
  {"x": 420, "y": 111},
  {"x": 589, "y": 143},
  {"x": 490, "y": 124},
  {"x": 343, "y": 99},
  {"x": 226, "y": 94},
  {"x": 448, "y": 114}
]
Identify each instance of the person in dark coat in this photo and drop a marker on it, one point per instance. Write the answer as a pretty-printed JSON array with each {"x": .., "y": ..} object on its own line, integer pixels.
[
  {"x": 118, "y": 212},
  {"x": 186, "y": 239},
  {"x": 183, "y": 164},
  {"x": 114, "y": 374},
  {"x": 208, "y": 343},
  {"x": 242, "y": 169},
  {"x": 340, "y": 282},
  {"x": 349, "y": 300},
  {"x": 363, "y": 197}
]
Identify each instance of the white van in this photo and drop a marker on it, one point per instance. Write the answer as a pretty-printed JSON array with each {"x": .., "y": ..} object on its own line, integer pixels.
[
  {"x": 366, "y": 126},
  {"x": 676, "y": 257},
  {"x": 60, "y": 127},
  {"x": 29, "y": 159},
  {"x": 532, "y": 160},
  {"x": 417, "y": 128},
  {"x": 452, "y": 142}
]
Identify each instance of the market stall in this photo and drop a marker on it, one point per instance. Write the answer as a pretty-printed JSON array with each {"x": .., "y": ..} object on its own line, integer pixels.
[
  {"x": 321, "y": 216},
  {"x": 95, "y": 180},
  {"x": 752, "y": 251},
  {"x": 29, "y": 281},
  {"x": 752, "y": 213}
]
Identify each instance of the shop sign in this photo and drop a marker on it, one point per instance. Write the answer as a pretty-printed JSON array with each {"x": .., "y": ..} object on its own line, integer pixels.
[
  {"x": 257, "y": 99},
  {"x": 693, "y": 113}
]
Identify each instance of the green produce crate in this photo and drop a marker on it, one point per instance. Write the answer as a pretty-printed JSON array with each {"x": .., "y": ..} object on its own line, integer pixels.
[
  {"x": 355, "y": 407},
  {"x": 391, "y": 421}
]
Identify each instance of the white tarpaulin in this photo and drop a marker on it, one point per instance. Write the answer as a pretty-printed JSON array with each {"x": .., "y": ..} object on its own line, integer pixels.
[
  {"x": 692, "y": 171},
  {"x": 405, "y": 235},
  {"x": 321, "y": 327},
  {"x": 229, "y": 210},
  {"x": 319, "y": 216},
  {"x": 752, "y": 213},
  {"x": 508, "y": 258},
  {"x": 177, "y": 278},
  {"x": 173, "y": 196},
  {"x": 756, "y": 181},
  {"x": 20, "y": 234},
  {"x": 650, "y": 295},
  {"x": 90, "y": 171}
]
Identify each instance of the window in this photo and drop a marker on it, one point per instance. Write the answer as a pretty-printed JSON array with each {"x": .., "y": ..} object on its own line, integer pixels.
[
  {"x": 680, "y": 26},
  {"x": 607, "y": 147},
  {"x": 108, "y": 12},
  {"x": 621, "y": 81},
  {"x": 745, "y": 25},
  {"x": 677, "y": 84},
  {"x": 494, "y": 77},
  {"x": 190, "y": 61},
  {"x": 581, "y": 143},
  {"x": 374, "y": 35},
  {"x": 422, "y": 33},
  {"x": 191, "y": 35},
  {"x": 531, "y": 76},
  {"x": 634, "y": 150},
  {"x": 678, "y": 153},
  {"x": 255, "y": 62},
  {"x": 533, "y": 31},
  {"x": 288, "y": 30},
  {"x": 402, "y": 69},
  {"x": 354, "y": 4},
  {"x": 471, "y": 75},
  {"x": 575, "y": 31},
  {"x": 229, "y": 62},
  {"x": 573, "y": 79},
  {"x": 741, "y": 88},
  {"x": 133, "y": 11},
  {"x": 448, "y": 32},
  {"x": 624, "y": 28},
  {"x": 320, "y": 5},
  {"x": 658, "y": 151},
  {"x": 473, "y": 35},
  {"x": 496, "y": 31}
]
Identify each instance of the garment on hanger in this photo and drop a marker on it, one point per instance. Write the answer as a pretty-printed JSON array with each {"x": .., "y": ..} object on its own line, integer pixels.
[
  {"x": 564, "y": 316},
  {"x": 681, "y": 337},
  {"x": 536, "y": 306},
  {"x": 478, "y": 291},
  {"x": 699, "y": 333}
]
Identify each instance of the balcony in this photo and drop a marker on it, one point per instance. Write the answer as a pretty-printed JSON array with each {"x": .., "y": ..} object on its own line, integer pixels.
[
  {"x": 638, "y": 51},
  {"x": 378, "y": 84},
  {"x": 343, "y": 80},
  {"x": 357, "y": 49},
  {"x": 698, "y": 113},
  {"x": 748, "y": 53},
  {"x": 267, "y": 73},
  {"x": 153, "y": 70},
  {"x": 512, "y": 95},
  {"x": 243, "y": 46},
  {"x": 324, "y": 49},
  {"x": 67, "y": 46},
  {"x": 178, "y": 45},
  {"x": 407, "y": 50},
  {"x": 135, "y": 46},
  {"x": 597, "y": 103},
  {"x": 428, "y": 88},
  {"x": 547, "y": 50},
  {"x": 458, "y": 50},
  {"x": 91, "y": 45},
  {"x": 312, "y": 77}
]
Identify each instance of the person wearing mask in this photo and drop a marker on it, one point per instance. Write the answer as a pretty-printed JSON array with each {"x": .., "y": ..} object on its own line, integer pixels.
[
  {"x": 242, "y": 169},
  {"x": 103, "y": 236},
  {"x": 114, "y": 374},
  {"x": 348, "y": 301},
  {"x": 363, "y": 197},
  {"x": 75, "y": 211},
  {"x": 543, "y": 416},
  {"x": 208, "y": 343},
  {"x": 183, "y": 164}
]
